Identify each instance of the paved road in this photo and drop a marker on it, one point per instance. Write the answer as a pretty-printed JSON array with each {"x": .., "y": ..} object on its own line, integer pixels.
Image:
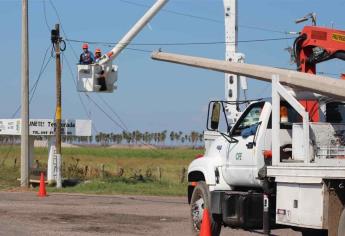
[{"x": 24, "y": 213}]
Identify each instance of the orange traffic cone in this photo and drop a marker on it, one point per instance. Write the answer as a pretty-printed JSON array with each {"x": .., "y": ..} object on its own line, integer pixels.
[
  {"x": 205, "y": 229},
  {"x": 42, "y": 190}
]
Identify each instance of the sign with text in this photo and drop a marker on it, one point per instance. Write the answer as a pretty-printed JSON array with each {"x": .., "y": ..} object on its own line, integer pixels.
[{"x": 46, "y": 127}]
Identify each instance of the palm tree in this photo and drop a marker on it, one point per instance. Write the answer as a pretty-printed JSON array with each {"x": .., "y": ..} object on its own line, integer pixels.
[{"x": 172, "y": 136}]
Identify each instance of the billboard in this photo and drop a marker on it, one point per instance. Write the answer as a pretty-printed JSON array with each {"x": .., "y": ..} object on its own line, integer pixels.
[{"x": 46, "y": 127}]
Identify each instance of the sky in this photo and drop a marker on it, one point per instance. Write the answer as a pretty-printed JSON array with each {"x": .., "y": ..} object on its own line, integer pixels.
[{"x": 151, "y": 95}]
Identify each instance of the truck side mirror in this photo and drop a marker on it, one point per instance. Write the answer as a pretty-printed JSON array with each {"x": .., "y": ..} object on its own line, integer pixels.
[{"x": 215, "y": 115}]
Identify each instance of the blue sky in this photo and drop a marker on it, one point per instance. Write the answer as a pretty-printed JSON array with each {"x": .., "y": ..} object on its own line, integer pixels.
[{"x": 151, "y": 95}]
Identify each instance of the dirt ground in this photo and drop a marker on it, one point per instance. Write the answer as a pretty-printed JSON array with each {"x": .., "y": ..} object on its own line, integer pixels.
[{"x": 23, "y": 213}]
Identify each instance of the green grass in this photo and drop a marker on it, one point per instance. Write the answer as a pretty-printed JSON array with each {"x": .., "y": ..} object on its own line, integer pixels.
[
  {"x": 8, "y": 177},
  {"x": 161, "y": 169},
  {"x": 123, "y": 187}
]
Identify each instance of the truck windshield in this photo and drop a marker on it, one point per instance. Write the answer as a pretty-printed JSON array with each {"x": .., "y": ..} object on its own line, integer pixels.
[
  {"x": 335, "y": 112},
  {"x": 250, "y": 117}
]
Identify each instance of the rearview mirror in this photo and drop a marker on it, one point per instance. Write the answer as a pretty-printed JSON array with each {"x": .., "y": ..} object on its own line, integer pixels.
[{"x": 215, "y": 115}]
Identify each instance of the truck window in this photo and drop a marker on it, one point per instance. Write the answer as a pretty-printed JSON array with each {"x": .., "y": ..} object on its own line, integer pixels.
[
  {"x": 292, "y": 117},
  {"x": 250, "y": 117},
  {"x": 335, "y": 112}
]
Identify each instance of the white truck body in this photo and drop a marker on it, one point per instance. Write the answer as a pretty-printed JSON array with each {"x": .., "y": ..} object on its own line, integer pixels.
[{"x": 302, "y": 195}]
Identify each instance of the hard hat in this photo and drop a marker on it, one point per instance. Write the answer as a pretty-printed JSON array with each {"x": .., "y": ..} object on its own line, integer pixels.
[
  {"x": 97, "y": 50},
  {"x": 85, "y": 46}
]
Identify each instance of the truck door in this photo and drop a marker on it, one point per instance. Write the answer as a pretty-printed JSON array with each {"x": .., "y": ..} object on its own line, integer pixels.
[{"x": 239, "y": 163}]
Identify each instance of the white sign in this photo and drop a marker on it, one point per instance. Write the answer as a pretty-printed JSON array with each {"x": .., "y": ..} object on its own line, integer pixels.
[{"x": 46, "y": 127}]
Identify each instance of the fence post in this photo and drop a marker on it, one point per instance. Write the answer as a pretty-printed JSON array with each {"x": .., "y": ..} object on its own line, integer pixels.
[
  {"x": 159, "y": 170},
  {"x": 183, "y": 175},
  {"x": 102, "y": 171}
]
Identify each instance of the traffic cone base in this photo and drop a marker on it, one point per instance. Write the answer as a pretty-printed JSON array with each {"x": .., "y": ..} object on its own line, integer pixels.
[
  {"x": 205, "y": 229},
  {"x": 42, "y": 190}
]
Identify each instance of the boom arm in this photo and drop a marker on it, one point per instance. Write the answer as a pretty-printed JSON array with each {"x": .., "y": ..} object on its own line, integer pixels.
[
  {"x": 108, "y": 57},
  {"x": 314, "y": 83}
]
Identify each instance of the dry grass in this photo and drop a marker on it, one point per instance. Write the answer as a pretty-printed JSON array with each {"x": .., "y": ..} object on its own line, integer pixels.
[{"x": 149, "y": 167}]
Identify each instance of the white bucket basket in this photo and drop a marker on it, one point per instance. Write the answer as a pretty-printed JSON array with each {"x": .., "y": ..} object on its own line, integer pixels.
[{"x": 96, "y": 78}]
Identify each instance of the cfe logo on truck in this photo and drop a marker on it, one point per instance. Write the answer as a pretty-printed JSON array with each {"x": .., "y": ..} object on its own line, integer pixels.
[
  {"x": 338, "y": 37},
  {"x": 239, "y": 156}
]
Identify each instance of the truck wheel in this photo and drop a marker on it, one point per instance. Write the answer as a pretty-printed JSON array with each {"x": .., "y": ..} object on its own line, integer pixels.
[
  {"x": 341, "y": 224},
  {"x": 199, "y": 201}
]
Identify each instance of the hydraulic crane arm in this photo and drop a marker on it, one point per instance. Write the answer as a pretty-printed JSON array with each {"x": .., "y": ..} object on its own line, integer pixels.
[
  {"x": 318, "y": 44},
  {"x": 143, "y": 21},
  {"x": 314, "y": 83}
]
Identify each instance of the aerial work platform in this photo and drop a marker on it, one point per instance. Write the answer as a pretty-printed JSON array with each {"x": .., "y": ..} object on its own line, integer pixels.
[{"x": 96, "y": 78}]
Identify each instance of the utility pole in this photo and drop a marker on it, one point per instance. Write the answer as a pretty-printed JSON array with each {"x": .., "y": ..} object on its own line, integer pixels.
[
  {"x": 24, "y": 153},
  {"x": 55, "y": 37},
  {"x": 233, "y": 82}
]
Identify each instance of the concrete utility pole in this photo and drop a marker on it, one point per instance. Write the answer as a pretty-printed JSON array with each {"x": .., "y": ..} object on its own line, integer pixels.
[
  {"x": 56, "y": 41},
  {"x": 233, "y": 82},
  {"x": 313, "y": 83},
  {"x": 24, "y": 153}
]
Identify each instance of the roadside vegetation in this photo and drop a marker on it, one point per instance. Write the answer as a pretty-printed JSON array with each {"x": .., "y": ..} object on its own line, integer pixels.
[
  {"x": 105, "y": 170},
  {"x": 162, "y": 138}
]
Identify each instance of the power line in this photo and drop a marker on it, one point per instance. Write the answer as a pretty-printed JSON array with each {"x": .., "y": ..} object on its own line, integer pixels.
[
  {"x": 69, "y": 66},
  {"x": 206, "y": 18},
  {"x": 113, "y": 111},
  {"x": 180, "y": 43},
  {"x": 265, "y": 29},
  {"x": 31, "y": 92},
  {"x": 34, "y": 86},
  {"x": 45, "y": 15},
  {"x": 39, "y": 77},
  {"x": 89, "y": 97},
  {"x": 174, "y": 12},
  {"x": 106, "y": 114},
  {"x": 125, "y": 127}
]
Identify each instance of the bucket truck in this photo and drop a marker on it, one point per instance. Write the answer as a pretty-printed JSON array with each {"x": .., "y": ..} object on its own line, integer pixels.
[
  {"x": 102, "y": 76},
  {"x": 277, "y": 165}
]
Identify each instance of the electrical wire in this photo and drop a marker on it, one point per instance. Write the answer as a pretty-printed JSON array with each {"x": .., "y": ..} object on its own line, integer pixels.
[
  {"x": 122, "y": 126},
  {"x": 113, "y": 111},
  {"x": 59, "y": 19},
  {"x": 31, "y": 94},
  {"x": 45, "y": 15},
  {"x": 32, "y": 90},
  {"x": 180, "y": 43},
  {"x": 206, "y": 18},
  {"x": 174, "y": 12},
  {"x": 106, "y": 114},
  {"x": 68, "y": 64}
]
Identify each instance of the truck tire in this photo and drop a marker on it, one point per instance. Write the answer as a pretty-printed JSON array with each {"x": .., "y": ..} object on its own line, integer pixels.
[
  {"x": 199, "y": 201},
  {"x": 341, "y": 224}
]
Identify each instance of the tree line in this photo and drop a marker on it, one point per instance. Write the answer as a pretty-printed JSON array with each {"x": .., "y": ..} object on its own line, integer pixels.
[
  {"x": 161, "y": 138},
  {"x": 164, "y": 137}
]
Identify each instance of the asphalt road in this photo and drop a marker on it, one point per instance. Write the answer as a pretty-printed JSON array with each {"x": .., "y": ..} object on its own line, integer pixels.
[{"x": 23, "y": 213}]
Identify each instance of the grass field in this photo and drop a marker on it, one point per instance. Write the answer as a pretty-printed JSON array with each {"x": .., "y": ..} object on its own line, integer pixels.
[{"x": 108, "y": 170}]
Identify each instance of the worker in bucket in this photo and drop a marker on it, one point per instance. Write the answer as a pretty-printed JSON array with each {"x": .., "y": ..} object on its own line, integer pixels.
[
  {"x": 86, "y": 57},
  {"x": 98, "y": 55}
]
